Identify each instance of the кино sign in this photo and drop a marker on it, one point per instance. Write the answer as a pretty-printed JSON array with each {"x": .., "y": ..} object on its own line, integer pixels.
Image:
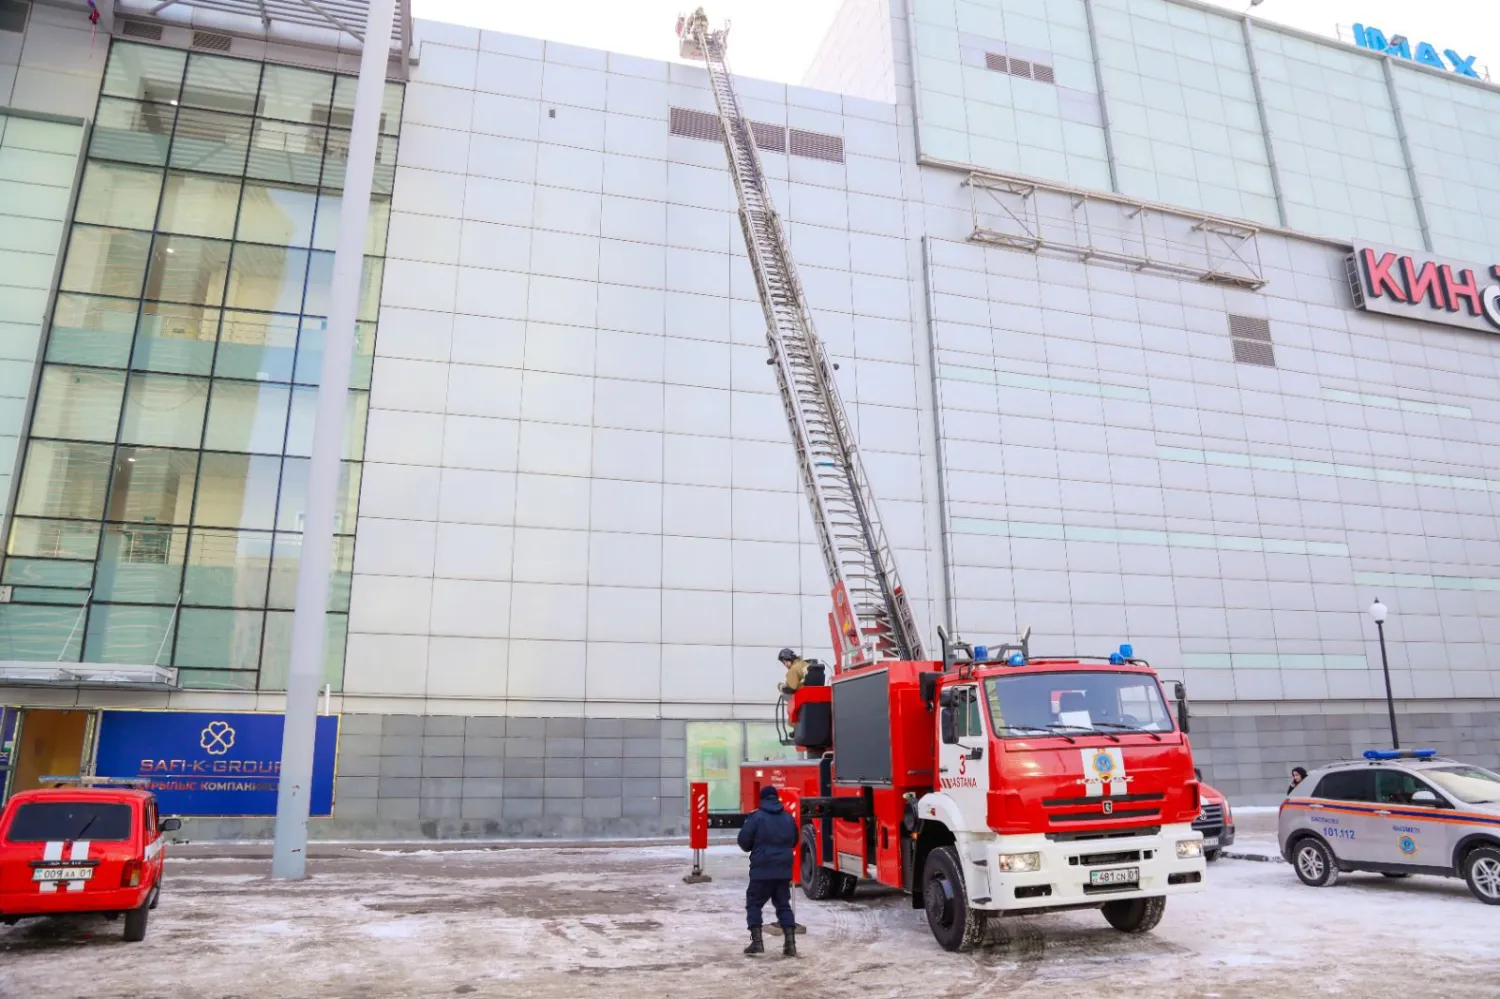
[
  {"x": 1416, "y": 285},
  {"x": 1424, "y": 52},
  {"x": 219, "y": 763}
]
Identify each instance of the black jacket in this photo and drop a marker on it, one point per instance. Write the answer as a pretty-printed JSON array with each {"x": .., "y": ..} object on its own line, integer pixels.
[{"x": 768, "y": 835}]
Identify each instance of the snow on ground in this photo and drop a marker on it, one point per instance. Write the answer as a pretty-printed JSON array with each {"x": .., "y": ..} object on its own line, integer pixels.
[{"x": 571, "y": 922}]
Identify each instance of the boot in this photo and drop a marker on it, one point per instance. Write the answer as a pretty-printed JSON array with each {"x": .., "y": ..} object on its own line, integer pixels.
[
  {"x": 757, "y": 945},
  {"x": 789, "y": 942}
]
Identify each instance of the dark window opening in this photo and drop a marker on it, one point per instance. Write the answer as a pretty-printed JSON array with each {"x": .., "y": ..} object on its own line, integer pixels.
[{"x": 44, "y": 821}]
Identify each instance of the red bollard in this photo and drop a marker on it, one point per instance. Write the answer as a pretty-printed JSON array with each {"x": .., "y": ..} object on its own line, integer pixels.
[{"x": 697, "y": 830}]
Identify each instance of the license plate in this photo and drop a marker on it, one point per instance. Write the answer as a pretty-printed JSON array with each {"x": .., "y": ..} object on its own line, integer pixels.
[
  {"x": 1209, "y": 842},
  {"x": 1117, "y": 876},
  {"x": 62, "y": 874}
]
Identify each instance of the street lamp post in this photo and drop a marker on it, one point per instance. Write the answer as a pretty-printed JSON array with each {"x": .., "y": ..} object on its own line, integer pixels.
[{"x": 1377, "y": 611}]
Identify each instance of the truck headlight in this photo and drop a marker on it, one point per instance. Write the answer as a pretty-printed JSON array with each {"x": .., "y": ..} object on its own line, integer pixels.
[
  {"x": 1189, "y": 848},
  {"x": 1019, "y": 863}
]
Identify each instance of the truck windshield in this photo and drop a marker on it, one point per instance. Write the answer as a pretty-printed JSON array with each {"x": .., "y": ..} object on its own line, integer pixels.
[
  {"x": 41, "y": 821},
  {"x": 1472, "y": 785},
  {"x": 1087, "y": 701}
]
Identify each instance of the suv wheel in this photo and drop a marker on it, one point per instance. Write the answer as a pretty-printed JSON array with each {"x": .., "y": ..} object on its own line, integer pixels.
[
  {"x": 1314, "y": 863},
  {"x": 1482, "y": 872}
]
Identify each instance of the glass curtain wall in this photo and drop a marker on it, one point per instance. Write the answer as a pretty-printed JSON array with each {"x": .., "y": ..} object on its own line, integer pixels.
[{"x": 161, "y": 503}]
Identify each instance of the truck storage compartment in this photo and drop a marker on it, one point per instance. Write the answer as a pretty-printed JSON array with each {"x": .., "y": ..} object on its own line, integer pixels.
[{"x": 862, "y": 728}]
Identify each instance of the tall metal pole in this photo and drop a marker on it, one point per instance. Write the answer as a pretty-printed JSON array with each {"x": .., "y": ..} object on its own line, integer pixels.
[
  {"x": 1390, "y": 703},
  {"x": 309, "y": 634}
]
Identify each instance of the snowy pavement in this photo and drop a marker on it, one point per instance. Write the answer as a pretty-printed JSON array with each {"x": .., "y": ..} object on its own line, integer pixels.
[{"x": 573, "y": 922}]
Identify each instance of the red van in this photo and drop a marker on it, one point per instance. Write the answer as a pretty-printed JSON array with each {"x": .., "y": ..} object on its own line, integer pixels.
[{"x": 82, "y": 850}]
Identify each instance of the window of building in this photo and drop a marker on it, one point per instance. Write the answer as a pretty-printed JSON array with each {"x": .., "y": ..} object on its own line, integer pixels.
[{"x": 162, "y": 494}]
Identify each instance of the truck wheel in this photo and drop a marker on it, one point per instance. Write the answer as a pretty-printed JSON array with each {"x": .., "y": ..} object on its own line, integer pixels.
[
  {"x": 135, "y": 924},
  {"x": 156, "y": 894},
  {"x": 1135, "y": 915},
  {"x": 1482, "y": 872},
  {"x": 1210, "y": 855},
  {"x": 846, "y": 887},
  {"x": 955, "y": 925},
  {"x": 817, "y": 881},
  {"x": 1314, "y": 863}
]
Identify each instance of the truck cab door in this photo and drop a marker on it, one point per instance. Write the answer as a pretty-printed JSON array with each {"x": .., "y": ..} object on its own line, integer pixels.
[{"x": 963, "y": 757}]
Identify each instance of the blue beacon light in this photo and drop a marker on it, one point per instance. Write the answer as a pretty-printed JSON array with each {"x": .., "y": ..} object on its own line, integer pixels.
[
  {"x": 1400, "y": 754},
  {"x": 981, "y": 653}
]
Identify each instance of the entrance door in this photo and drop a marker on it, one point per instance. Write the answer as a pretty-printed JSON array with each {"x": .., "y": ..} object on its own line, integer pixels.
[{"x": 48, "y": 743}]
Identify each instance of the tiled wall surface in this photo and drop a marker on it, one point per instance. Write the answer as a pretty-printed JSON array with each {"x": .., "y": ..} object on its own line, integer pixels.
[
  {"x": 1112, "y": 470},
  {"x": 449, "y": 777},
  {"x": 54, "y": 66},
  {"x": 580, "y": 483},
  {"x": 1187, "y": 127},
  {"x": 1250, "y": 757},
  {"x": 455, "y": 777},
  {"x": 856, "y": 56}
]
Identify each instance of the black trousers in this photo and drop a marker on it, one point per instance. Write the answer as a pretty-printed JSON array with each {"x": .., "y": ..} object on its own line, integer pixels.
[{"x": 778, "y": 893}]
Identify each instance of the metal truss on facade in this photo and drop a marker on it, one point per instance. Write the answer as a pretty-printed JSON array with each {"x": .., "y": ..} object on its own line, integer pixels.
[{"x": 1038, "y": 218}]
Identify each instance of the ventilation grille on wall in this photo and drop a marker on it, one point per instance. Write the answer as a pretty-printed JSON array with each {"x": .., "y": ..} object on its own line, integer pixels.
[
  {"x": 1252, "y": 341},
  {"x": 140, "y": 29},
  {"x": 695, "y": 125},
  {"x": 768, "y": 138},
  {"x": 817, "y": 145},
  {"x": 1019, "y": 67},
  {"x": 211, "y": 40},
  {"x": 771, "y": 138},
  {"x": 13, "y": 15}
]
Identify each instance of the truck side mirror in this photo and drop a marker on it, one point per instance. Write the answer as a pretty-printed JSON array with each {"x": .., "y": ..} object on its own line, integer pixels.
[
  {"x": 948, "y": 719},
  {"x": 170, "y": 825},
  {"x": 1182, "y": 708}
]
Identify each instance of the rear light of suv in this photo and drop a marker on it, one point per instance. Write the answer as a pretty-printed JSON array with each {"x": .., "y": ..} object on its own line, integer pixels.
[{"x": 130, "y": 875}]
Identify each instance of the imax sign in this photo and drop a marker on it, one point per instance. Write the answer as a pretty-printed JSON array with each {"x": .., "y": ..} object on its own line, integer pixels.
[
  {"x": 1419, "y": 286},
  {"x": 1425, "y": 53}
]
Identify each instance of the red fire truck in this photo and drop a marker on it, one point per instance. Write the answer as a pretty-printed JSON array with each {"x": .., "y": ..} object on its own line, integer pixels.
[
  {"x": 982, "y": 784},
  {"x": 988, "y": 785}
]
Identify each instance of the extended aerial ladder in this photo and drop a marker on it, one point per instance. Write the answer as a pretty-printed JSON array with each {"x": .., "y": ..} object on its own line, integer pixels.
[{"x": 872, "y": 619}]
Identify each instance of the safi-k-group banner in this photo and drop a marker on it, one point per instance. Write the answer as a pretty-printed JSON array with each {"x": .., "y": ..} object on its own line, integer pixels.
[{"x": 205, "y": 763}]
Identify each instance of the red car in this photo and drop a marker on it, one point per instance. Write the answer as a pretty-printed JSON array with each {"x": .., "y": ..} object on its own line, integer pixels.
[
  {"x": 65, "y": 851},
  {"x": 1215, "y": 821}
]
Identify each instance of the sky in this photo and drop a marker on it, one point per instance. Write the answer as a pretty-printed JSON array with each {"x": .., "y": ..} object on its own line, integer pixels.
[{"x": 776, "y": 39}]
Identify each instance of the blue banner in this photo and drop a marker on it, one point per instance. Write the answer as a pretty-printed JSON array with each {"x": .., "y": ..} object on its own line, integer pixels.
[{"x": 205, "y": 763}]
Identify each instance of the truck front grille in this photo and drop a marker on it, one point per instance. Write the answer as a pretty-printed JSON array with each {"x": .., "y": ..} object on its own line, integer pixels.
[{"x": 1210, "y": 819}]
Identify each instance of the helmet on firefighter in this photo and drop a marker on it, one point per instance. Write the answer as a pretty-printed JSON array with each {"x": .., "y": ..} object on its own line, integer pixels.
[{"x": 786, "y": 655}]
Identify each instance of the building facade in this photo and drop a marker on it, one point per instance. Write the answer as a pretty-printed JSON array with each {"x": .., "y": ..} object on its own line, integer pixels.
[{"x": 1120, "y": 367}]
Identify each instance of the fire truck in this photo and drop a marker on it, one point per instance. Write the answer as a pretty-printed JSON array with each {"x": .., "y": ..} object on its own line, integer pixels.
[{"x": 988, "y": 782}]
